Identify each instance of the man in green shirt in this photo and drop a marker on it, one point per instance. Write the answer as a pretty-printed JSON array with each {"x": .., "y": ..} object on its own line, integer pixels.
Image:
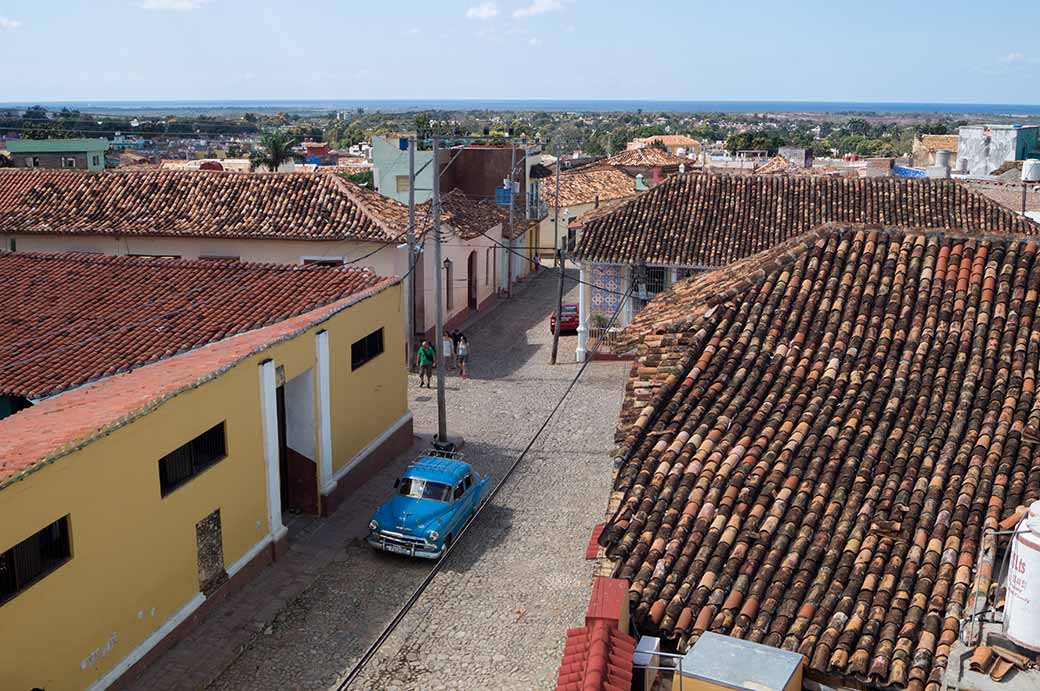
[{"x": 425, "y": 359}]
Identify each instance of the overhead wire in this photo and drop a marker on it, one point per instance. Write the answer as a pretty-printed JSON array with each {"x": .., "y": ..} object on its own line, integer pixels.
[{"x": 370, "y": 652}]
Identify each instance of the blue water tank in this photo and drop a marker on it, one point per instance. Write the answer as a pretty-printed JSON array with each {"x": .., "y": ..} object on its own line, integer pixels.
[
  {"x": 402, "y": 144},
  {"x": 503, "y": 196}
]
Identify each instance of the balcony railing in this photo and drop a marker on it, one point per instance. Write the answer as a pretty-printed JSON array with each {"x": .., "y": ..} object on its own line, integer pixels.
[
  {"x": 603, "y": 340},
  {"x": 537, "y": 209}
]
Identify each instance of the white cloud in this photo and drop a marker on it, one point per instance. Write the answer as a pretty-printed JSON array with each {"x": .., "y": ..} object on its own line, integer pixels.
[
  {"x": 538, "y": 7},
  {"x": 483, "y": 11},
  {"x": 1013, "y": 57},
  {"x": 534, "y": 41},
  {"x": 414, "y": 31},
  {"x": 6, "y": 23},
  {"x": 173, "y": 5}
]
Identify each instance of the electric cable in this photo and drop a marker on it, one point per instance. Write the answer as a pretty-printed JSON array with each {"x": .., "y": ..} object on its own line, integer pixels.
[{"x": 359, "y": 667}]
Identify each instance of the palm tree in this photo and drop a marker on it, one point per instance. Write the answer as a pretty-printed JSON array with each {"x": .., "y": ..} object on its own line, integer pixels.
[{"x": 275, "y": 149}]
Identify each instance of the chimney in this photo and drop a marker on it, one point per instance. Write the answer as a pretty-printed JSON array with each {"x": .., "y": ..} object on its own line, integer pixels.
[
  {"x": 879, "y": 167},
  {"x": 639, "y": 183},
  {"x": 941, "y": 169},
  {"x": 682, "y": 168}
]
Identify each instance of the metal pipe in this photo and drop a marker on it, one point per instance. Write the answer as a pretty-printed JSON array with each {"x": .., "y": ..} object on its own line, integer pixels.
[
  {"x": 442, "y": 422},
  {"x": 409, "y": 277}
]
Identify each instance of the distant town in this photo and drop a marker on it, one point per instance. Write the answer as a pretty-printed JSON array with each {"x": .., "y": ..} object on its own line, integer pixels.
[{"x": 585, "y": 400}]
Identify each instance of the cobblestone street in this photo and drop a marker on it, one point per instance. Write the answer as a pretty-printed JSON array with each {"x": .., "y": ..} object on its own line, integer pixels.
[{"x": 495, "y": 617}]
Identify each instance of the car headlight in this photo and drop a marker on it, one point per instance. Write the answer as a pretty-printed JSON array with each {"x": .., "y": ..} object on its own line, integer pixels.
[
  {"x": 373, "y": 526},
  {"x": 434, "y": 535}
]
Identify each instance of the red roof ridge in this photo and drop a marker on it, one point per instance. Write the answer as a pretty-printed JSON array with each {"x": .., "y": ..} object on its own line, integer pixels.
[
  {"x": 30, "y": 439},
  {"x": 355, "y": 192},
  {"x": 67, "y": 319}
]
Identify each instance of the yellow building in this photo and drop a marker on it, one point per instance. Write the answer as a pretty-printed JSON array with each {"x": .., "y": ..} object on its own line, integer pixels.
[{"x": 160, "y": 415}]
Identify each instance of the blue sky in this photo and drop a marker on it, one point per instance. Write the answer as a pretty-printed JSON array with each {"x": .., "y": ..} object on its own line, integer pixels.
[{"x": 839, "y": 50}]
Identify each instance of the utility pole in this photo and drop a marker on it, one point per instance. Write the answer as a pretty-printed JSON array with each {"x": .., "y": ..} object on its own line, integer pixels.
[
  {"x": 561, "y": 261},
  {"x": 442, "y": 422},
  {"x": 509, "y": 240},
  {"x": 561, "y": 255},
  {"x": 556, "y": 204},
  {"x": 409, "y": 279}
]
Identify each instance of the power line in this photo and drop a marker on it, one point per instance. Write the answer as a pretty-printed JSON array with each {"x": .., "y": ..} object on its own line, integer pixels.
[
  {"x": 547, "y": 268},
  {"x": 403, "y": 612}
]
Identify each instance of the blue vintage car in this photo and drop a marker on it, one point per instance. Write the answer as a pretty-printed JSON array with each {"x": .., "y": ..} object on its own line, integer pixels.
[{"x": 436, "y": 496}]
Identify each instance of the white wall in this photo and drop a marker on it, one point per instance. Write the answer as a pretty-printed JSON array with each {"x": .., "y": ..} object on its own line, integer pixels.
[{"x": 300, "y": 430}]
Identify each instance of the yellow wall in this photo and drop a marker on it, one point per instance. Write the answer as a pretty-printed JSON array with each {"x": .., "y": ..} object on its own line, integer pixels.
[
  {"x": 367, "y": 401},
  {"x": 133, "y": 552}
]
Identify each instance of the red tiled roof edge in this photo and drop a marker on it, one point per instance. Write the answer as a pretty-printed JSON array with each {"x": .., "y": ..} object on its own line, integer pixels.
[
  {"x": 830, "y": 500},
  {"x": 596, "y": 658},
  {"x": 350, "y": 190},
  {"x": 700, "y": 219},
  {"x": 241, "y": 347}
]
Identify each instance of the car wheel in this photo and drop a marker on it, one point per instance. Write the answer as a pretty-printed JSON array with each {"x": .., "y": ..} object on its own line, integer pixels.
[{"x": 447, "y": 541}]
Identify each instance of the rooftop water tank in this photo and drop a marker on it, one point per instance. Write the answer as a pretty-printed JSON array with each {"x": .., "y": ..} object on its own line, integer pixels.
[
  {"x": 1031, "y": 170},
  {"x": 942, "y": 157},
  {"x": 1022, "y": 611}
]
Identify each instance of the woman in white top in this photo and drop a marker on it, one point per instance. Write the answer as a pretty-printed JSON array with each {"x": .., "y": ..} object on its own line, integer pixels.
[
  {"x": 447, "y": 352},
  {"x": 463, "y": 354}
]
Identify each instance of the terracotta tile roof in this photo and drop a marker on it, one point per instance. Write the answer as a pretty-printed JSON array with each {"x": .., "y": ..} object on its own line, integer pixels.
[
  {"x": 469, "y": 216},
  {"x": 711, "y": 220},
  {"x": 1007, "y": 167},
  {"x": 597, "y": 657},
  {"x": 1007, "y": 193},
  {"x": 670, "y": 140},
  {"x": 67, "y": 319},
  {"x": 837, "y": 426},
  {"x": 285, "y": 206},
  {"x": 583, "y": 185},
  {"x": 646, "y": 157},
  {"x": 57, "y": 426},
  {"x": 936, "y": 142}
]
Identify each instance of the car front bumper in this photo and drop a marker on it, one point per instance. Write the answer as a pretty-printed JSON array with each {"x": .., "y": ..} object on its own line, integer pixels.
[{"x": 396, "y": 543}]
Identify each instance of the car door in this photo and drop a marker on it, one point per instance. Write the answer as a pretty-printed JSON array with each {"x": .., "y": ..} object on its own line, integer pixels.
[{"x": 460, "y": 509}]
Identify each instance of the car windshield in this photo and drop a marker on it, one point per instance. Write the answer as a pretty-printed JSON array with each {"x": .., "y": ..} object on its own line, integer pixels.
[{"x": 425, "y": 489}]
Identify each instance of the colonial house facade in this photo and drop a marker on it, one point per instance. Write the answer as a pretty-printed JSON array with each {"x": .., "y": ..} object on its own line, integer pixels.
[
  {"x": 696, "y": 222},
  {"x": 164, "y": 418},
  {"x": 294, "y": 218}
]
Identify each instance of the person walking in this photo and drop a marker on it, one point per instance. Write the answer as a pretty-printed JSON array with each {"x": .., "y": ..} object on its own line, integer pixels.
[
  {"x": 425, "y": 358},
  {"x": 448, "y": 352},
  {"x": 462, "y": 351}
]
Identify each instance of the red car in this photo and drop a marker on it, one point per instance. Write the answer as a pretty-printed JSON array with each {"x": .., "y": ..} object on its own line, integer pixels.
[{"x": 568, "y": 322}]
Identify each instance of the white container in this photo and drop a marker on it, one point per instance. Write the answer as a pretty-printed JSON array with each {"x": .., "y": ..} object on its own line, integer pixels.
[
  {"x": 1031, "y": 170},
  {"x": 1022, "y": 610}
]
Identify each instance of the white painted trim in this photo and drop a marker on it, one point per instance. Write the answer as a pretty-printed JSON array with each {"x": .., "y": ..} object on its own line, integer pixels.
[
  {"x": 251, "y": 554},
  {"x": 135, "y": 655},
  {"x": 583, "y": 313},
  {"x": 372, "y": 446},
  {"x": 147, "y": 644},
  {"x": 269, "y": 420},
  {"x": 325, "y": 480}
]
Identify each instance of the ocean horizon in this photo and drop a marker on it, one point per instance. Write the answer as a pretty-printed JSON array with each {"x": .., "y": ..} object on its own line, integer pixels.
[{"x": 548, "y": 105}]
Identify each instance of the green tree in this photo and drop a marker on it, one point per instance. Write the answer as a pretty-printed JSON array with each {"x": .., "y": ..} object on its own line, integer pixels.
[
  {"x": 275, "y": 148},
  {"x": 364, "y": 179}
]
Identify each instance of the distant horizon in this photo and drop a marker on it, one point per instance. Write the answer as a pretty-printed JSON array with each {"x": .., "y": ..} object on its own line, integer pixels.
[{"x": 550, "y": 104}]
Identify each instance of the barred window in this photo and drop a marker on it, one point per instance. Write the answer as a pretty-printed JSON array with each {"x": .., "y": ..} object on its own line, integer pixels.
[
  {"x": 187, "y": 461},
  {"x": 366, "y": 349},
  {"x": 33, "y": 558}
]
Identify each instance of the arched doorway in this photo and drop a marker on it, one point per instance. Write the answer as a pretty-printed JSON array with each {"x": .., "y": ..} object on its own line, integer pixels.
[{"x": 471, "y": 281}]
